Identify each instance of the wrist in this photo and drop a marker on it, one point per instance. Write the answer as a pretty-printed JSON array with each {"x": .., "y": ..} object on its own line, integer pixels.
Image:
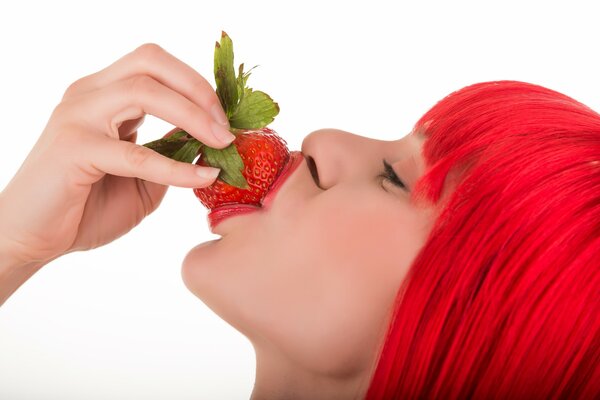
[{"x": 14, "y": 270}]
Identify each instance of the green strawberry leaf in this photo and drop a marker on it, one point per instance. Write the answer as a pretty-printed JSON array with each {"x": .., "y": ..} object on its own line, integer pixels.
[
  {"x": 225, "y": 74},
  {"x": 230, "y": 163},
  {"x": 242, "y": 78},
  {"x": 255, "y": 110},
  {"x": 245, "y": 109},
  {"x": 170, "y": 145},
  {"x": 188, "y": 152}
]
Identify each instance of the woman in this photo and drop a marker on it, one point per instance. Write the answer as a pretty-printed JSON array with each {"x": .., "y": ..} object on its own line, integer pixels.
[{"x": 456, "y": 262}]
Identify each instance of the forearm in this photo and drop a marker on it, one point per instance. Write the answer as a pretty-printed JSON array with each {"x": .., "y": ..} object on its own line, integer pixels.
[{"x": 13, "y": 272}]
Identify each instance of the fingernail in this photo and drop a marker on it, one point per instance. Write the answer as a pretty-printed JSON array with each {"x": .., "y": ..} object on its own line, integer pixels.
[
  {"x": 219, "y": 115},
  {"x": 208, "y": 173},
  {"x": 222, "y": 133}
]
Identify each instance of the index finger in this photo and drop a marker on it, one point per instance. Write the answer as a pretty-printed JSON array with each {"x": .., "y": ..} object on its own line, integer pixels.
[
  {"x": 152, "y": 60},
  {"x": 121, "y": 158}
]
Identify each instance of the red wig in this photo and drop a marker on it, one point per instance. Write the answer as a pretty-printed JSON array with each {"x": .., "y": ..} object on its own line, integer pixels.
[{"x": 503, "y": 300}]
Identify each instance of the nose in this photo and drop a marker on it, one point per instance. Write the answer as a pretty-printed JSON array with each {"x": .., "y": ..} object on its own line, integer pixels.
[{"x": 335, "y": 156}]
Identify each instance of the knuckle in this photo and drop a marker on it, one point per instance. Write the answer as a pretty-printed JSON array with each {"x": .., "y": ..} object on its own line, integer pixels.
[
  {"x": 192, "y": 112},
  {"x": 148, "y": 52},
  {"x": 63, "y": 112},
  {"x": 204, "y": 94},
  {"x": 174, "y": 168},
  {"x": 140, "y": 85},
  {"x": 74, "y": 88},
  {"x": 201, "y": 86},
  {"x": 137, "y": 155},
  {"x": 60, "y": 109}
]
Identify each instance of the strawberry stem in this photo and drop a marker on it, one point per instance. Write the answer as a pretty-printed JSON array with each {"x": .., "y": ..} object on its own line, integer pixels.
[{"x": 245, "y": 108}]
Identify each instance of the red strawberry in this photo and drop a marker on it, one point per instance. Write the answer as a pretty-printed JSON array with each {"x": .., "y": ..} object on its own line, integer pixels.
[
  {"x": 249, "y": 165},
  {"x": 264, "y": 154}
]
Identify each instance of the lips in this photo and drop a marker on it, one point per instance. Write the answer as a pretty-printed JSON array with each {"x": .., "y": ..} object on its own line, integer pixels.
[
  {"x": 296, "y": 158},
  {"x": 218, "y": 214}
]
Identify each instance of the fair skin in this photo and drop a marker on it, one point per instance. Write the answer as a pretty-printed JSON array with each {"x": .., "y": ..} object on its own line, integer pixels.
[
  {"x": 86, "y": 182},
  {"x": 313, "y": 291}
]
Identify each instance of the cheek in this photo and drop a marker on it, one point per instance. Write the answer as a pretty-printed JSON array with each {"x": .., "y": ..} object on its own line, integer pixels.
[
  {"x": 317, "y": 282},
  {"x": 367, "y": 256},
  {"x": 344, "y": 278},
  {"x": 369, "y": 244}
]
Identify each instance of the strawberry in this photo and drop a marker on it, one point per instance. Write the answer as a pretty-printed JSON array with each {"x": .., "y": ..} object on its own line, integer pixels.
[
  {"x": 252, "y": 162},
  {"x": 264, "y": 155}
]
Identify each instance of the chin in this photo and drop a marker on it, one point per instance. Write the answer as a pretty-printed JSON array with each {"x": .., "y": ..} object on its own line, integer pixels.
[
  {"x": 197, "y": 265},
  {"x": 212, "y": 271}
]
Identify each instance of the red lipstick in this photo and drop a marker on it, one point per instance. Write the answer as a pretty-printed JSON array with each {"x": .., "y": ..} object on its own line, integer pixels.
[
  {"x": 218, "y": 214},
  {"x": 296, "y": 158}
]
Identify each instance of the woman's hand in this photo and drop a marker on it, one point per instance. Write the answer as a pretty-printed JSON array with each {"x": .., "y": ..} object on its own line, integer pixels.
[{"x": 86, "y": 182}]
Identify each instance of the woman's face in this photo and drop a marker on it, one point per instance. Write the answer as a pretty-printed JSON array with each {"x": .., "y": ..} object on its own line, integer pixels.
[{"x": 313, "y": 279}]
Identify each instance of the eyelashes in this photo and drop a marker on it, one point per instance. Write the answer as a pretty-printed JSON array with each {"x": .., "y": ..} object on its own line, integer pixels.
[
  {"x": 390, "y": 176},
  {"x": 387, "y": 175}
]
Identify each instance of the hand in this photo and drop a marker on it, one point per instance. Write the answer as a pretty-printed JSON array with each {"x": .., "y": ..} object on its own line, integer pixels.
[{"x": 86, "y": 182}]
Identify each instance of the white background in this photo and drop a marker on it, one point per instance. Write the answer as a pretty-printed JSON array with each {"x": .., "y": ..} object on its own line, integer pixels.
[{"x": 117, "y": 322}]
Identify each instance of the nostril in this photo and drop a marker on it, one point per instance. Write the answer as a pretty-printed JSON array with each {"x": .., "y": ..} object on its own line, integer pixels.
[{"x": 312, "y": 167}]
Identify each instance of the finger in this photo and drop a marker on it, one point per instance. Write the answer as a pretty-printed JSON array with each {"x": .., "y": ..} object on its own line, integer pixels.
[
  {"x": 140, "y": 95},
  {"x": 131, "y": 137},
  {"x": 150, "y": 59},
  {"x": 121, "y": 158},
  {"x": 128, "y": 128}
]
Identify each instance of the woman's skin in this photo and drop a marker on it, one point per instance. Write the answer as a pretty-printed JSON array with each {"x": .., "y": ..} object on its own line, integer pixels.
[
  {"x": 311, "y": 281},
  {"x": 86, "y": 182}
]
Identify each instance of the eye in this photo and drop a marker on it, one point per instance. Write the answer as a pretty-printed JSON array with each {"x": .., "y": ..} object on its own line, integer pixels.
[{"x": 389, "y": 175}]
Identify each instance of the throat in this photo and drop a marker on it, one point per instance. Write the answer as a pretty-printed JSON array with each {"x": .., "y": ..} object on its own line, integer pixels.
[{"x": 280, "y": 378}]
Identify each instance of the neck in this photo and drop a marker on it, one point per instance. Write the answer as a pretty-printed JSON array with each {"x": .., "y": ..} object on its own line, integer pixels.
[{"x": 279, "y": 378}]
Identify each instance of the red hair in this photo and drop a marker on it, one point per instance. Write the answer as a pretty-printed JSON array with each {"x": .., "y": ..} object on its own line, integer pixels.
[{"x": 503, "y": 300}]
